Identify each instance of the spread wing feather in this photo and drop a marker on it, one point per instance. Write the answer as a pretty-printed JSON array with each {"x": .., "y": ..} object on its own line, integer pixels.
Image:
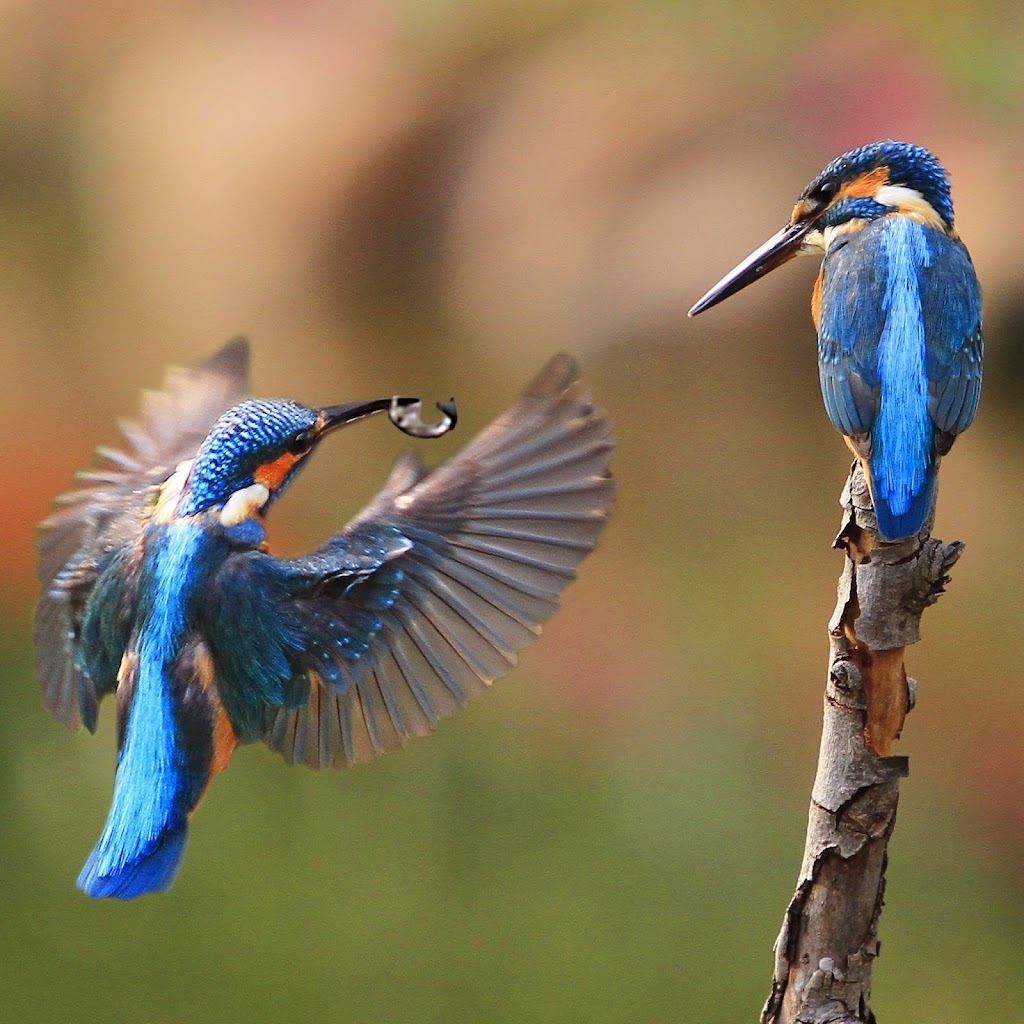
[
  {"x": 93, "y": 524},
  {"x": 472, "y": 559}
]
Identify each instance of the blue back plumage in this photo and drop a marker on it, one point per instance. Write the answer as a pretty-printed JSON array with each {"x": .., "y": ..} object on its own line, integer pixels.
[
  {"x": 157, "y": 782},
  {"x": 901, "y": 456},
  {"x": 900, "y": 357}
]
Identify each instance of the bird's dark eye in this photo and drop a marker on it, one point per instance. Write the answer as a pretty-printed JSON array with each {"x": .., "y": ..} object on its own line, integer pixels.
[
  {"x": 301, "y": 443},
  {"x": 824, "y": 193}
]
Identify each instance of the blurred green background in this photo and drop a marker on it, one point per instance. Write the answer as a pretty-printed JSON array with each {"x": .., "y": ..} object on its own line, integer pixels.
[{"x": 431, "y": 198}]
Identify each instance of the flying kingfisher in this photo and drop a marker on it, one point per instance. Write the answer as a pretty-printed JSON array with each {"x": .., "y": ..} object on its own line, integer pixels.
[
  {"x": 897, "y": 306},
  {"x": 157, "y": 586}
]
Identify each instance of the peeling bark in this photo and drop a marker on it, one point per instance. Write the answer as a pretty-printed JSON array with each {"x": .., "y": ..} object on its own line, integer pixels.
[{"x": 829, "y": 939}]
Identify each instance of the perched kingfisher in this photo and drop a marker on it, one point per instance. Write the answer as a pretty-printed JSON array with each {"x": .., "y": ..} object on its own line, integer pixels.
[
  {"x": 157, "y": 585},
  {"x": 897, "y": 306}
]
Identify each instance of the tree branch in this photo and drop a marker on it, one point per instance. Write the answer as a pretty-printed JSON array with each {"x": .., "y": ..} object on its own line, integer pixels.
[{"x": 828, "y": 943}]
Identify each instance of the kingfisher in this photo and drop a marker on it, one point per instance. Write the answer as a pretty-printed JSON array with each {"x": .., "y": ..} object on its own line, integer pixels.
[
  {"x": 158, "y": 586},
  {"x": 897, "y": 307}
]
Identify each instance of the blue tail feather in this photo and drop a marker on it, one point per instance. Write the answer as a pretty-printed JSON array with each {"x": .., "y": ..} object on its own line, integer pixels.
[
  {"x": 906, "y": 523},
  {"x": 152, "y": 871}
]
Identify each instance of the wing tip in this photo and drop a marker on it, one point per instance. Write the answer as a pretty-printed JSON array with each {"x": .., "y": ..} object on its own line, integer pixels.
[
  {"x": 557, "y": 375},
  {"x": 230, "y": 361},
  {"x": 66, "y": 714},
  {"x": 405, "y": 473},
  {"x": 560, "y": 385}
]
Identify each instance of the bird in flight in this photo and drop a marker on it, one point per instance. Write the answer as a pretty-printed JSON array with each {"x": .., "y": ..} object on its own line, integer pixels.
[{"x": 158, "y": 586}]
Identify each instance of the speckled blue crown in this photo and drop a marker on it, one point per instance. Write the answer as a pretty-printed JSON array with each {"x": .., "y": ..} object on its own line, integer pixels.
[
  {"x": 908, "y": 165},
  {"x": 245, "y": 437}
]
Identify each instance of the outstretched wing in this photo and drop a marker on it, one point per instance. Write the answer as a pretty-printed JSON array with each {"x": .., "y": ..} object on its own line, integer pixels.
[
  {"x": 425, "y": 597},
  {"x": 96, "y": 522}
]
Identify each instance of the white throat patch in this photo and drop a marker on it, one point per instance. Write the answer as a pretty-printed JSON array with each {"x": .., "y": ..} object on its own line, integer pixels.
[{"x": 244, "y": 504}]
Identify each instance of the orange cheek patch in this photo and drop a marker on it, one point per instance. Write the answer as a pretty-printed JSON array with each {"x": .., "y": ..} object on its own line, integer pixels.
[
  {"x": 803, "y": 209},
  {"x": 272, "y": 474},
  {"x": 865, "y": 186}
]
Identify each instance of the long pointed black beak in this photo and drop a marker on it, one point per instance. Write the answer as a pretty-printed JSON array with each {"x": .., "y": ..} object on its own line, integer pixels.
[
  {"x": 404, "y": 413},
  {"x": 779, "y": 249}
]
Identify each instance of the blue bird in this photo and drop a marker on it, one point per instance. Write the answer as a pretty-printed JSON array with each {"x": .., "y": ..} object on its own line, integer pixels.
[
  {"x": 897, "y": 306},
  {"x": 157, "y": 586}
]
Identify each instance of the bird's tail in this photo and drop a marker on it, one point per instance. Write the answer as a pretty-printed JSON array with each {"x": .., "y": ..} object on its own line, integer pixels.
[
  {"x": 901, "y": 512},
  {"x": 108, "y": 873},
  {"x": 159, "y": 781}
]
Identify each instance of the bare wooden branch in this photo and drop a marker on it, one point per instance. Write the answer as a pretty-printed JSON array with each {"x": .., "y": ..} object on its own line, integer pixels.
[{"x": 826, "y": 948}]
